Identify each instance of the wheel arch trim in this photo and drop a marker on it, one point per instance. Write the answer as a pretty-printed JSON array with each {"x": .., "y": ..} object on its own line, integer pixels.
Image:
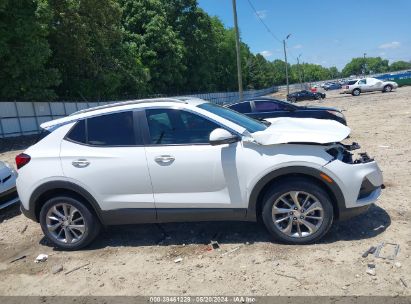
[
  {"x": 32, "y": 212},
  {"x": 259, "y": 188}
]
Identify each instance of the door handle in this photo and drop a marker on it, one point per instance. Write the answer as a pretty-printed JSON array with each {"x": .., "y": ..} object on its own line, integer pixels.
[
  {"x": 164, "y": 159},
  {"x": 80, "y": 163}
]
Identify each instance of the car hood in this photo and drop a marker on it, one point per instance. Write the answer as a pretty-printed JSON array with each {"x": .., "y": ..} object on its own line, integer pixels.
[{"x": 301, "y": 130}]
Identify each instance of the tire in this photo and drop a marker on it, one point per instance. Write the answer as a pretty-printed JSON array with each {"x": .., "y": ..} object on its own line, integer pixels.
[
  {"x": 387, "y": 88},
  {"x": 356, "y": 92},
  {"x": 293, "y": 99},
  {"x": 87, "y": 226},
  {"x": 303, "y": 187}
]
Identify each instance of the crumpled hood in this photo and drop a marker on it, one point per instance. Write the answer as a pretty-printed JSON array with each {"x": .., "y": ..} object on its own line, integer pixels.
[{"x": 302, "y": 130}]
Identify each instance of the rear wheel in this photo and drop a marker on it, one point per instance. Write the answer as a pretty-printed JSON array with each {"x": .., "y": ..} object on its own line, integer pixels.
[
  {"x": 68, "y": 223},
  {"x": 293, "y": 99},
  {"x": 297, "y": 211},
  {"x": 387, "y": 89},
  {"x": 356, "y": 92}
]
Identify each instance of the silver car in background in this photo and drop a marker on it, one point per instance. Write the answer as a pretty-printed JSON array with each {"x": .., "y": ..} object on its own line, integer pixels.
[
  {"x": 8, "y": 193},
  {"x": 358, "y": 86}
]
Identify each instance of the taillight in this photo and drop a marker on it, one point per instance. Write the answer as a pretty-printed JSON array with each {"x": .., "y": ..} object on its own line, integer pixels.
[{"x": 22, "y": 159}]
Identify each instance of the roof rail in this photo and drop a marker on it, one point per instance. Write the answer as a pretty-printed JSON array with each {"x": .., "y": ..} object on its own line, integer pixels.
[{"x": 130, "y": 102}]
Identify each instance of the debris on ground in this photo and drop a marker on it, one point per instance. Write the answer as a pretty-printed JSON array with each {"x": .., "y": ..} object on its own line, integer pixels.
[
  {"x": 384, "y": 247},
  {"x": 56, "y": 269},
  {"x": 288, "y": 276},
  {"x": 178, "y": 260},
  {"x": 18, "y": 258},
  {"x": 379, "y": 228},
  {"x": 370, "y": 250},
  {"x": 42, "y": 257},
  {"x": 231, "y": 251},
  {"x": 371, "y": 270},
  {"x": 76, "y": 268},
  {"x": 397, "y": 264},
  {"x": 215, "y": 245},
  {"x": 24, "y": 229},
  {"x": 403, "y": 282}
]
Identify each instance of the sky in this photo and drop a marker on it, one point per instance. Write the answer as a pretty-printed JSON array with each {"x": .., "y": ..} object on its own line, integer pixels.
[{"x": 324, "y": 32}]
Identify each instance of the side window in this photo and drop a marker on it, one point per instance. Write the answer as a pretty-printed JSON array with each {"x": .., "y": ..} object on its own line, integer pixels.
[
  {"x": 108, "y": 130},
  {"x": 111, "y": 130},
  {"x": 268, "y": 106},
  {"x": 243, "y": 107},
  {"x": 362, "y": 81},
  {"x": 168, "y": 127},
  {"x": 78, "y": 132}
]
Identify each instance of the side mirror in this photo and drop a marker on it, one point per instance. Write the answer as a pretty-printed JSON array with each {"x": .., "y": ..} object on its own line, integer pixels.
[{"x": 220, "y": 136}]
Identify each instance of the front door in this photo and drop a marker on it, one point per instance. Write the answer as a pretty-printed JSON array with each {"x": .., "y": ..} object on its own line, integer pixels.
[{"x": 186, "y": 171}]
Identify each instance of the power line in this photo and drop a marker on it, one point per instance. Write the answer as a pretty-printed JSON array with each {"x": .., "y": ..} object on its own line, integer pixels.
[{"x": 261, "y": 20}]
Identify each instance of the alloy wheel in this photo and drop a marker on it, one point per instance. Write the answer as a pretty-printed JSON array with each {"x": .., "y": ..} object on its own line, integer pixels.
[
  {"x": 65, "y": 223},
  {"x": 297, "y": 214}
]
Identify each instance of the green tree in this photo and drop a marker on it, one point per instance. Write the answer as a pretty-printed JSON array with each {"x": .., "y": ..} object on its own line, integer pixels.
[
  {"x": 259, "y": 72},
  {"x": 334, "y": 73},
  {"x": 400, "y": 65},
  {"x": 24, "y": 51},
  {"x": 156, "y": 42},
  {"x": 87, "y": 42},
  {"x": 371, "y": 65}
]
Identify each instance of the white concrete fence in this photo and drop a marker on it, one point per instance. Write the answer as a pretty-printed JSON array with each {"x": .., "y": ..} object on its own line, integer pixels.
[{"x": 24, "y": 118}]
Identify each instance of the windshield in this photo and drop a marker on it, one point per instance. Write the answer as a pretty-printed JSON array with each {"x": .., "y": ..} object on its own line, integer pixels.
[{"x": 251, "y": 125}]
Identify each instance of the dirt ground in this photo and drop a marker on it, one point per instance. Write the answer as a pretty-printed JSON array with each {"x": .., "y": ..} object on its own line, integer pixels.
[{"x": 140, "y": 259}]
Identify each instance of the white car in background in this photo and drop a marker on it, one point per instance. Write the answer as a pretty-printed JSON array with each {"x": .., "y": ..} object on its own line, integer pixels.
[
  {"x": 8, "y": 193},
  {"x": 357, "y": 86}
]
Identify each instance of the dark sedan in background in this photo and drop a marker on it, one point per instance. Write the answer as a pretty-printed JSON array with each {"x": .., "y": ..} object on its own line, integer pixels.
[
  {"x": 265, "y": 107},
  {"x": 332, "y": 86},
  {"x": 305, "y": 95}
]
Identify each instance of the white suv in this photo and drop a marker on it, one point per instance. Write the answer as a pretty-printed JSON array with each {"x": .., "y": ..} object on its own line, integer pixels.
[{"x": 171, "y": 160}]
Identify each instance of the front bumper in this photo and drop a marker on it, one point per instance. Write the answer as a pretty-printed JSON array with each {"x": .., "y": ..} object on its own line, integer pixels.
[
  {"x": 360, "y": 182},
  {"x": 8, "y": 197}
]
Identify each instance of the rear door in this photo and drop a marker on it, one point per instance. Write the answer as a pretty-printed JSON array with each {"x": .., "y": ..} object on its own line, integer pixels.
[{"x": 105, "y": 155}]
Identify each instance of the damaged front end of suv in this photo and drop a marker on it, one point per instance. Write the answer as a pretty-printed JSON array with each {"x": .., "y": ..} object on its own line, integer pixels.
[
  {"x": 357, "y": 172},
  {"x": 357, "y": 175}
]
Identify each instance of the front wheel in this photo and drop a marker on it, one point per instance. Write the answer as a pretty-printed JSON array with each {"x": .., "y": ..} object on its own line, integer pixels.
[
  {"x": 387, "y": 89},
  {"x": 297, "y": 211},
  {"x": 68, "y": 223},
  {"x": 293, "y": 99}
]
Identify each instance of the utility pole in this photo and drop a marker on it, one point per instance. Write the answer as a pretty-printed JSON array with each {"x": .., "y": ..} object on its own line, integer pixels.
[
  {"x": 299, "y": 71},
  {"x": 365, "y": 64},
  {"x": 237, "y": 47},
  {"x": 286, "y": 64}
]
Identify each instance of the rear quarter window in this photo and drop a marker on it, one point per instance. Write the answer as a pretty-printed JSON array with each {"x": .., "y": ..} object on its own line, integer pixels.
[
  {"x": 352, "y": 82},
  {"x": 115, "y": 129},
  {"x": 78, "y": 132}
]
